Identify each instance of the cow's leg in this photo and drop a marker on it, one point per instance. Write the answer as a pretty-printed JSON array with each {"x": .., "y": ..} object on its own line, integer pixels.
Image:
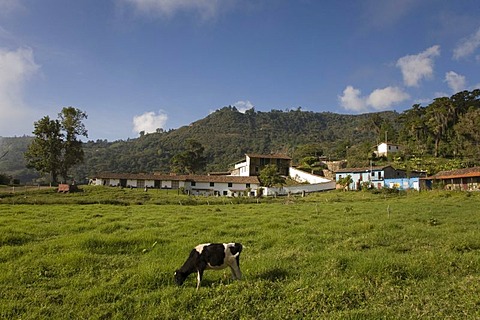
[
  {"x": 199, "y": 277},
  {"x": 236, "y": 273}
]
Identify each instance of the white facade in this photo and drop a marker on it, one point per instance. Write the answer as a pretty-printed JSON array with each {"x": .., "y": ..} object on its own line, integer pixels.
[
  {"x": 383, "y": 149},
  {"x": 242, "y": 169},
  {"x": 229, "y": 189},
  {"x": 233, "y": 186},
  {"x": 302, "y": 176},
  {"x": 300, "y": 189},
  {"x": 137, "y": 183}
]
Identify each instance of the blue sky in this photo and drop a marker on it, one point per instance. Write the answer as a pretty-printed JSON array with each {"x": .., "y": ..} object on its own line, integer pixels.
[{"x": 139, "y": 65}]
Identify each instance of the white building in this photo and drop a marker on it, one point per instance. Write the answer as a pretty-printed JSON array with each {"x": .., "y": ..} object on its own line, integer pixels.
[
  {"x": 384, "y": 149},
  {"x": 193, "y": 184},
  {"x": 254, "y": 163}
]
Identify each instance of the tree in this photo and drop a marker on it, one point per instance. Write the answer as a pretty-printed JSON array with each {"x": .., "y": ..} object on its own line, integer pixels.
[
  {"x": 439, "y": 115},
  {"x": 414, "y": 131},
  {"x": 5, "y": 179},
  {"x": 71, "y": 121},
  {"x": 55, "y": 148},
  {"x": 345, "y": 182},
  {"x": 190, "y": 161},
  {"x": 269, "y": 176},
  {"x": 312, "y": 150},
  {"x": 468, "y": 132}
]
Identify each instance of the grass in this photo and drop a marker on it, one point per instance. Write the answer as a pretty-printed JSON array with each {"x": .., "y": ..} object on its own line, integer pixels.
[{"x": 330, "y": 255}]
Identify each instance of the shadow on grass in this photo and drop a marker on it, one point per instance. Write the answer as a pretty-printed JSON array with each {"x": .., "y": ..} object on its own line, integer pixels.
[{"x": 275, "y": 274}]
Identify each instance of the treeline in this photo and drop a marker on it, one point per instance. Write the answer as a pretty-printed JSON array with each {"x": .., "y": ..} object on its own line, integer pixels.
[
  {"x": 445, "y": 131},
  {"x": 448, "y": 127}
]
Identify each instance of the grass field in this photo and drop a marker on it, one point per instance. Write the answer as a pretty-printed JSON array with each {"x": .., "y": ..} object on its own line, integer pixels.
[{"x": 335, "y": 255}]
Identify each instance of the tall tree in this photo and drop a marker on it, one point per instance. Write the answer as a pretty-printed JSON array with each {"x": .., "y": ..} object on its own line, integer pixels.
[
  {"x": 468, "y": 131},
  {"x": 55, "y": 148},
  {"x": 439, "y": 115},
  {"x": 414, "y": 131},
  {"x": 269, "y": 176},
  {"x": 45, "y": 152},
  {"x": 191, "y": 160},
  {"x": 71, "y": 120}
]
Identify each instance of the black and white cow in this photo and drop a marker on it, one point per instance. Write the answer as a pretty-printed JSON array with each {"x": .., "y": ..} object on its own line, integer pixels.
[{"x": 211, "y": 256}]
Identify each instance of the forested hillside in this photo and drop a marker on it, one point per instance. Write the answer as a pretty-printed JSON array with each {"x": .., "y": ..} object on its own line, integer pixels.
[
  {"x": 228, "y": 134},
  {"x": 447, "y": 131}
]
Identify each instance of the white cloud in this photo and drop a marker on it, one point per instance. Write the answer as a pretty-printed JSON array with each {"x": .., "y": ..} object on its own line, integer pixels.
[
  {"x": 243, "y": 106},
  {"x": 417, "y": 67},
  {"x": 382, "y": 99},
  {"x": 16, "y": 67},
  {"x": 207, "y": 9},
  {"x": 467, "y": 46},
  {"x": 455, "y": 81},
  {"x": 149, "y": 122},
  {"x": 378, "y": 100},
  {"x": 351, "y": 100}
]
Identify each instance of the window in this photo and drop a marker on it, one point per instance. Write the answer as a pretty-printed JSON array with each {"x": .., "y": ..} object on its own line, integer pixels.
[
  {"x": 247, "y": 185},
  {"x": 212, "y": 184},
  {"x": 193, "y": 183},
  {"x": 230, "y": 184},
  {"x": 225, "y": 193}
]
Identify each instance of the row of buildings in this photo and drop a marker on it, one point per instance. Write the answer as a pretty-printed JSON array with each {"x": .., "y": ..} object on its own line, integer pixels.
[{"x": 243, "y": 179}]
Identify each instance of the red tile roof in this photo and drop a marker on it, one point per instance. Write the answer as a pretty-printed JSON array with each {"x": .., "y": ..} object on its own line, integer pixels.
[
  {"x": 459, "y": 173},
  {"x": 269, "y": 156},
  {"x": 168, "y": 177}
]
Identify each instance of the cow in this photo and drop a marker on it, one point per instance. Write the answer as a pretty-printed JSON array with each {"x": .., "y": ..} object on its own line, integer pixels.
[{"x": 214, "y": 256}]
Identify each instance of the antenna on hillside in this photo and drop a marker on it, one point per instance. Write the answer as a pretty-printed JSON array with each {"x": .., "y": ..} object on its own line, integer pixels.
[{"x": 386, "y": 135}]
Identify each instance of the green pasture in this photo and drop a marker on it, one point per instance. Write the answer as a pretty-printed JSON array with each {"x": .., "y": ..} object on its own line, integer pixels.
[{"x": 108, "y": 253}]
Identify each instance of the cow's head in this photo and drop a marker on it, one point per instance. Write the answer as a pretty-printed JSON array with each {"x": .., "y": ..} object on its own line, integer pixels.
[{"x": 179, "y": 277}]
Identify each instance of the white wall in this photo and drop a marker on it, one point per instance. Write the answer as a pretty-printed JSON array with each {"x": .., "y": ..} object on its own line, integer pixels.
[
  {"x": 220, "y": 188},
  {"x": 282, "y": 191},
  {"x": 302, "y": 176}
]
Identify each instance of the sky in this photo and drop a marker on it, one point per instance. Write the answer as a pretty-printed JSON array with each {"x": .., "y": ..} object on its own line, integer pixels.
[{"x": 141, "y": 65}]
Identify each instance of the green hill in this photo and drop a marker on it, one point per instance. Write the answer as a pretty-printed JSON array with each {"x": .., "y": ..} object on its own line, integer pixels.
[
  {"x": 226, "y": 136},
  {"x": 441, "y": 136}
]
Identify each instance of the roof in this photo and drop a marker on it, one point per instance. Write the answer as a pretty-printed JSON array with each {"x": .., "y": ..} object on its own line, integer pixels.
[
  {"x": 224, "y": 179},
  {"x": 167, "y": 177},
  {"x": 459, "y": 173},
  {"x": 268, "y": 156},
  {"x": 389, "y": 144},
  {"x": 362, "y": 169}
]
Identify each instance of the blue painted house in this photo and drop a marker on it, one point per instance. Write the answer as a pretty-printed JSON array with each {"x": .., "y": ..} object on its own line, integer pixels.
[{"x": 379, "y": 177}]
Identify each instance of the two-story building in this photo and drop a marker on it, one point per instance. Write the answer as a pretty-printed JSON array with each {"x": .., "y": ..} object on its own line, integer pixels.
[{"x": 254, "y": 163}]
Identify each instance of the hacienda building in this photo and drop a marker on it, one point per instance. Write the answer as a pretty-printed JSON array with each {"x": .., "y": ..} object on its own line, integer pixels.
[
  {"x": 462, "y": 179},
  {"x": 254, "y": 163},
  {"x": 232, "y": 186}
]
